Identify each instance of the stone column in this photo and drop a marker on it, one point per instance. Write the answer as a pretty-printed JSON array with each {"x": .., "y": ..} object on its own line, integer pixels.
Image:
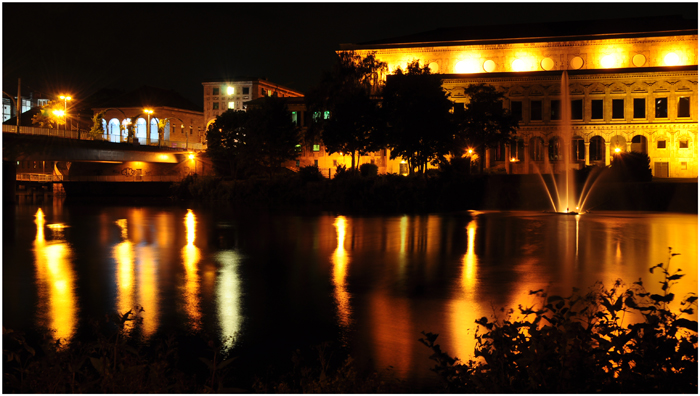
[
  {"x": 487, "y": 158},
  {"x": 545, "y": 157},
  {"x": 587, "y": 154},
  {"x": 526, "y": 154},
  {"x": 629, "y": 146},
  {"x": 607, "y": 153}
]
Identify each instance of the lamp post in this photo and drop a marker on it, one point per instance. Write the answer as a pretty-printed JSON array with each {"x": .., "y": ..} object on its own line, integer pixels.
[
  {"x": 65, "y": 112},
  {"x": 148, "y": 124}
]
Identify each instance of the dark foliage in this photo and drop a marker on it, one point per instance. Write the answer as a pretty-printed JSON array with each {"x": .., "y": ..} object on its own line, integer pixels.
[
  {"x": 632, "y": 166},
  {"x": 582, "y": 344},
  {"x": 368, "y": 170}
]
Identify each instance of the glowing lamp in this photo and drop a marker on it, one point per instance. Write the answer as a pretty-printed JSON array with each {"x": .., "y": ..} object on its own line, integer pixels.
[
  {"x": 191, "y": 156},
  {"x": 672, "y": 59},
  {"x": 470, "y": 151},
  {"x": 148, "y": 111},
  {"x": 519, "y": 65},
  {"x": 608, "y": 61},
  {"x": 467, "y": 66},
  {"x": 229, "y": 90},
  {"x": 617, "y": 150},
  {"x": 59, "y": 113}
]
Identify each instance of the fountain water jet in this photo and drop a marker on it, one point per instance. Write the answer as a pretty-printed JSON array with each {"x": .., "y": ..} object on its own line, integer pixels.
[{"x": 560, "y": 149}]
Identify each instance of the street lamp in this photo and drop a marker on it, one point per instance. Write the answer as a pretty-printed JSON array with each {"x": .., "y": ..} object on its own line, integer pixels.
[
  {"x": 59, "y": 113},
  {"x": 195, "y": 163},
  {"x": 65, "y": 111},
  {"x": 148, "y": 124}
]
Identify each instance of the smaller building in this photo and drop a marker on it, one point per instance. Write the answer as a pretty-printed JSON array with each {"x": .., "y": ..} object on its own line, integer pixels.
[
  {"x": 220, "y": 96},
  {"x": 184, "y": 121}
]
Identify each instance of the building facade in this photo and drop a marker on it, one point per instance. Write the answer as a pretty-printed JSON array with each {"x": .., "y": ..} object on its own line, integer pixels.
[
  {"x": 220, "y": 96},
  {"x": 183, "y": 121},
  {"x": 631, "y": 85}
]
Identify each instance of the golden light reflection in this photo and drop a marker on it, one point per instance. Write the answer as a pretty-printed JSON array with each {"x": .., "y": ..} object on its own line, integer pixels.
[
  {"x": 340, "y": 262},
  {"x": 124, "y": 257},
  {"x": 56, "y": 283},
  {"x": 228, "y": 298},
  {"x": 148, "y": 288},
  {"x": 190, "y": 257},
  {"x": 469, "y": 267}
]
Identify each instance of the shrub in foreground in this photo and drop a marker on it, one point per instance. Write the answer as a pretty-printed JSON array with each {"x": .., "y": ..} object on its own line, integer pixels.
[{"x": 582, "y": 344}]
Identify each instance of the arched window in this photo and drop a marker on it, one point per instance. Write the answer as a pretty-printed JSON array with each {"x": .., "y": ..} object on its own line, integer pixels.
[
  {"x": 104, "y": 128},
  {"x": 555, "y": 149},
  {"x": 141, "y": 128},
  {"x": 596, "y": 150},
  {"x": 639, "y": 144},
  {"x": 578, "y": 149},
  {"x": 536, "y": 148},
  {"x": 166, "y": 131},
  {"x": 154, "y": 130},
  {"x": 114, "y": 130}
]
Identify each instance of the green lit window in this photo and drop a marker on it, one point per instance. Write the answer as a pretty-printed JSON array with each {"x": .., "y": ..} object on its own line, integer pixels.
[
  {"x": 317, "y": 147},
  {"x": 298, "y": 147}
]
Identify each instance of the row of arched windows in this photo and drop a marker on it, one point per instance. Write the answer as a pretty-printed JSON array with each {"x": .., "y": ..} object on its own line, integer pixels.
[{"x": 116, "y": 131}]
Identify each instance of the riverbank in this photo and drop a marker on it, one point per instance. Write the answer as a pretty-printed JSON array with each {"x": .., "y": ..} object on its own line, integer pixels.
[{"x": 437, "y": 193}]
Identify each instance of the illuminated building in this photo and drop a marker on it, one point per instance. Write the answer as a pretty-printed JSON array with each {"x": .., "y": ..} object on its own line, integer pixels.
[
  {"x": 632, "y": 85},
  {"x": 220, "y": 96},
  {"x": 184, "y": 122}
]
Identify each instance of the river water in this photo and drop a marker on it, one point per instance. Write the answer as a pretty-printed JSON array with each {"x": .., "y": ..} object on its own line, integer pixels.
[{"x": 265, "y": 281}]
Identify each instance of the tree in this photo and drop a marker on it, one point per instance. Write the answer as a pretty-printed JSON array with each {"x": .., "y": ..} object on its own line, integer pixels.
[
  {"x": 46, "y": 118},
  {"x": 484, "y": 123},
  {"x": 345, "y": 96},
  {"x": 226, "y": 141},
  {"x": 419, "y": 128},
  {"x": 272, "y": 137}
]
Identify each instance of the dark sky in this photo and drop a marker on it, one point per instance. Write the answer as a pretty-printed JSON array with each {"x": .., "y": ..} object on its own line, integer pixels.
[{"x": 79, "y": 48}]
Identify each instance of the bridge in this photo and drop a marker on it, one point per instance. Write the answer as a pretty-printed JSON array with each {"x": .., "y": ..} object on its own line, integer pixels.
[{"x": 80, "y": 158}]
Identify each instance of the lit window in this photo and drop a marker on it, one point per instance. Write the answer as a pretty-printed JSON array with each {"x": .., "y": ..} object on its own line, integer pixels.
[
  {"x": 683, "y": 107},
  {"x": 317, "y": 147},
  {"x": 661, "y": 144},
  {"x": 326, "y": 115},
  {"x": 661, "y": 105},
  {"x": 231, "y": 105},
  {"x": 215, "y": 91},
  {"x": 215, "y": 106},
  {"x": 297, "y": 148},
  {"x": 682, "y": 144},
  {"x": 229, "y": 91}
]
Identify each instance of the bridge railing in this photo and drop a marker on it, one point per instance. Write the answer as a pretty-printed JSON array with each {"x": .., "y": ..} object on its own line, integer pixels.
[
  {"x": 43, "y": 177},
  {"x": 85, "y": 135}
]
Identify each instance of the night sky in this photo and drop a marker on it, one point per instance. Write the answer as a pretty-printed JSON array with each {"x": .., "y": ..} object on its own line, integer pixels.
[{"x": 81, "y": 47}]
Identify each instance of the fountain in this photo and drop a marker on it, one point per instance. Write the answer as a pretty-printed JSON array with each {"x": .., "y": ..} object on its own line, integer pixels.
[{"x": 562, "y": 195}]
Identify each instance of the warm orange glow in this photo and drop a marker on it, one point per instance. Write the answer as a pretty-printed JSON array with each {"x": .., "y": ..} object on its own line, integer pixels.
[
  {"x": 608, "y": 61},
  {"x": 190, "y": 257},
  {"x": 59, "y": 113},
  {"x": 672, "y": 59},
  {"x": 340, "y": 261},
  {"x": 148, "y": 287},
  {"x": 191, "y": 156},
  {"x": 470, "y": 151},
  {"x": 617, "y": 150},
  {"x": 123, "y": 255},
  {"x": 56, "y": 283},
  {"x": 148, "y": 111},
  {"x": 468, "y": 66},
  {"x": 519, "y": 65}
]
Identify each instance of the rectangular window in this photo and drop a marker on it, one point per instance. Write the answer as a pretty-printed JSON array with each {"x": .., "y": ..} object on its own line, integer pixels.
[
  {"x": 639, "y": 105},
  {"x": 682, "y": 144},
  {"x": 516, "y": 108},
  {"x": 297, "y": 148},
  {"x": 556, "y": 110},
  {"x": 577, "y": 109},
  {"x": 326, "y": 115},
  {"x": 661, "y": 105},
  {"x": 295, "y": 118},
  {"x": 215, "y": 91},
  {"x": 660, "y": 144},
  {"x": 215, "y": 106},
  {"x": 26, "y": 105},
  {"x": 618, "y": 109},
  {"x": 578, "y": 150},
  {"x": 597, "y": 109},
  {"x": 316, "y": 163},
  {"x": 246, "y": 90},
  {"x": 317, "y": 147},
  {"x": 684, "y": 166},
  {"x": 230, "y": 91},
  {"x": 684, "y": 107},
  {"x": 536, "y": 110},
  {"x": 231, "y": 105}
]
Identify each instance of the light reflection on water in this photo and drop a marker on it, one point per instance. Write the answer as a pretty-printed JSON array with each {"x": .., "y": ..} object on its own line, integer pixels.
[{"x": 379, "y": 281}]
